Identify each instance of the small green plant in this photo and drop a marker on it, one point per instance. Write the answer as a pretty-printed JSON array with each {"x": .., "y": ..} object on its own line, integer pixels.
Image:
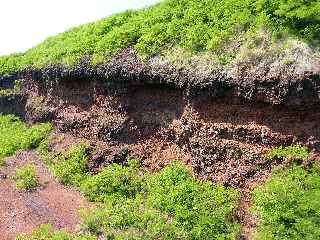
[
  {"x": 297, "y": 152},
  {"x": 288, "y": 206},
  {"x": 46, "y": 232},
  {"x": 170, "y": 204},
  {"x": 70, "y": 167},
  {"x": 25, "y": 177},
  {"x": 115, "y": 181},
  {"x": 14, "y": 135}
]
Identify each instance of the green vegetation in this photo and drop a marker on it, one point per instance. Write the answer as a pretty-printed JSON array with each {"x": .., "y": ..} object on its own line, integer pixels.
[
  {"x": 169, "y": 204},
  {"x": 297, "y": 152},
  {"x": 133, "y": 204},
  {"x": 70, "y": 168},
  {"x": 114, "y": 182},
  {"x": 45, "y": 232},
  {"x": 288, "y": 204},
  {"x": 14, "y": 135},
  {"x": 25, "y": 177},
  {"x": 193, "y": 25}
]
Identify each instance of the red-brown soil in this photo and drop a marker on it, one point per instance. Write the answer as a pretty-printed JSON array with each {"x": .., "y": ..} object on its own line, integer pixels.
[
  {"x": 222, "y": 139},
  {"x": 51, "y": 203}
]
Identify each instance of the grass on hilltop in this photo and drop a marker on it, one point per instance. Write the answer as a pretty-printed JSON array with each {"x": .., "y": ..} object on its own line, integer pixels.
[{"x": 193, "y": 25}]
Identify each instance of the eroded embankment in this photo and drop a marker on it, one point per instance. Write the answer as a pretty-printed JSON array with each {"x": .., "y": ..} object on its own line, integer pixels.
[{"x": 222, "y": 139}]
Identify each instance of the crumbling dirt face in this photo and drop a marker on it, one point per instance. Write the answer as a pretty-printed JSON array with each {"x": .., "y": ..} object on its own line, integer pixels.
[
  {"x": 51, "y": 203},
  {"x": 222, "y": 139},
  {"x": 231, "y": 138}
]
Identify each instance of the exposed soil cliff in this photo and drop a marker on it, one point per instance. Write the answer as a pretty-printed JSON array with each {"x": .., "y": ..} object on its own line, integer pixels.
[
  {"x": 219, "y": 124},
  {"x": 212, "y": 127}
]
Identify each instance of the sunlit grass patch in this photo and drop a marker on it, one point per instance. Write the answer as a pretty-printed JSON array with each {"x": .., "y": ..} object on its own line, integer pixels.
[
  {"x": 288, "y": 205},
  {"x": 15, "y": 134}
]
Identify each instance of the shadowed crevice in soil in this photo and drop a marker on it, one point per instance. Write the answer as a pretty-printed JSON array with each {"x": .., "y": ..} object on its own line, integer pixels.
[{"x": 51, "y": 203}]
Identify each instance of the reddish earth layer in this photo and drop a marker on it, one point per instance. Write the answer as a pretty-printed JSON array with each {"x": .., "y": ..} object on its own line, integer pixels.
[
  {"x": 23, "y": 211},
  {"x": 221, "y": 139}
]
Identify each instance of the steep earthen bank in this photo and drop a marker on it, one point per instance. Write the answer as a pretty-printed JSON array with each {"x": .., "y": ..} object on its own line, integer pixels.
[
  {"x": 219, "y": 126},
  {"x": 221, "y": 138}
]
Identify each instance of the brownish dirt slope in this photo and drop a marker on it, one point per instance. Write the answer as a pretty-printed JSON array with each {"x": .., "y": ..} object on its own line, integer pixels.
[
  {"x": 23, "y": 211},
  {"x": 222, "y": 139},
  {"x": 220, "y": 129}
]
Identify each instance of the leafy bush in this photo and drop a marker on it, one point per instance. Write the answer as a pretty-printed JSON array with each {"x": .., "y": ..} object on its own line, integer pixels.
[
  {"x": 115, "y": 181},
  {"x": 14, "y": 135},
  {"x": 297, "y": 152},
  {"x": 131, "y": 219},
  {"x": 195, "y": 25},
  {"x": 288, "y": 204},
  {"x": 169, "y": 204},
  {"x": 25, "y": 177},
  {"x": 70, "y": 167},
  {"x": 45, "y": 232}
]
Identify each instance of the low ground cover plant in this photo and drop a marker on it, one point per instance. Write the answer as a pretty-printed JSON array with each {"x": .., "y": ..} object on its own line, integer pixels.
[
  {"x": 288, "y": 205},
  {"x": 25, "y": 177},
  {"x": 169, "y": 204},
  {"x": 46, "y": 232},
  {"x": 70, "y": 167},
  {"x": 135, "y": 204},
  {"x": 15, "y": 134},
  {"x": 296, "y": 152}
]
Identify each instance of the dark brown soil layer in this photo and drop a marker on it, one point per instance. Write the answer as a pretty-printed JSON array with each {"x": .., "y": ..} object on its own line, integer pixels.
[{"x": 265, "y": 78}]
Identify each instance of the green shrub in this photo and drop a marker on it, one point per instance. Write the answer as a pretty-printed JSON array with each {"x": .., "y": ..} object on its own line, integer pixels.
[
  {"x": 45, "y": 232},
  {"x": 131, "y": 219},
  {"x": 195, "y": 25},
  {"x": 14, "y": 135},
  {"x": 169, "y": 204},
  {"x": 288, "y": 205},
  {"x": 25, "y": 177},
  {"x": 70, "y": 167},
  {"x": 114, "y": 181},
  {"x": 297, "y": 152}
]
